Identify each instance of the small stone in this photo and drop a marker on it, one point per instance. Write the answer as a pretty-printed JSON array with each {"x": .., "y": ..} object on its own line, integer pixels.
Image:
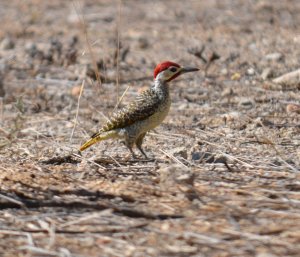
[
  {"x": 203, "y": 156},
  {"x": 267, "y": 73},
  {"x": 236, "y": 76},
  {"x": 179, "y": 152},
  {"x": 196, "y": 156},
  {"x": 253, "y": 47},
  {"x": 274, "y": 57},
  {"x": 250, "y": 71},
  {"x": 224, "y": 72},
  {"x": 76, "y": 91},
  {"x": 143, "y": 43},
  {"x": 246, "y": 103},
  {"x": 259, "y": 122},
  {"x": 231, "y": 116},
  {"x": 293, "y": 108},
  {"x": 7, "y": 43},
  {"x": 227, "y": 92}
]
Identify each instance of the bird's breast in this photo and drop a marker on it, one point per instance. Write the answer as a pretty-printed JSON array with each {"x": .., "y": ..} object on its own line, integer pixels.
[{"x": 157, "y": 118}]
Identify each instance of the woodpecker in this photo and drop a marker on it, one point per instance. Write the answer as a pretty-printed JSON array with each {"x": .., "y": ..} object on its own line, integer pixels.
[{"x": 145, "y": 113}]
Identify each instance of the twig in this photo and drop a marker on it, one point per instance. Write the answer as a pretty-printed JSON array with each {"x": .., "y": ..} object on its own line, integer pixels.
[
  {"x": 39, "y": 250},
  {"x": 77, "y": 110},
  {"x": 173, "y": 158},
  {"x": 206, "y": 239},
  {"x": 12, "y": 200},
  {"x": 121, "y": 98},
  {"x": 18, "y": 233},
  {"x": 1, "y": 109},
  {"x": 126, "y": 211},
  {"x": 84, "y": 28},
  {"x": 263, "y": 239},
  {"x": 98, "y": 165},
  {"x": 118, "y": 50},
  {"x": 116, "y": 161},
  {"x": 236, "y": 159},
  {"x": 85, "y": 218}
]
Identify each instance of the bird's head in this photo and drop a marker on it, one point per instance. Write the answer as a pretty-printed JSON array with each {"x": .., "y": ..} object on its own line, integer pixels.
[{"x": 167, "y": 71}]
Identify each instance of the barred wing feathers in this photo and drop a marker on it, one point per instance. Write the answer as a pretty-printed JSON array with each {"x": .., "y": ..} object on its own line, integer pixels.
[{"x": 145, "y": 105}]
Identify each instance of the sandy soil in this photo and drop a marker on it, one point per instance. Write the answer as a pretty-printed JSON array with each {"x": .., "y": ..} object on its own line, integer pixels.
[{"x": 224, "y": 175}]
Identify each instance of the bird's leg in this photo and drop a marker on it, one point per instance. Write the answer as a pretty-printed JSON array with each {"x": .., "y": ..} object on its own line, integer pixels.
[
  {"x": 139, "y": 142},
  {"x": 129, "y": 143}
]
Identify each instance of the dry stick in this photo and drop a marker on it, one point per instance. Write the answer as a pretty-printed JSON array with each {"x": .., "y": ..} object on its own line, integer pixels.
[
  {"x": 84, "y": 28},
  {"x": 1, "y": 109},
  {"x": 12, "y": 200},
  {"x": 18, "y": 233},
  {"x": 278, "y": 153},
  {"x": 236, "y": 159},
  {"x": 284, "y": 161},
  {"x": 121, "y": 98},
  {"x": 173, "y": 158},
  {"x": 38, "y": 250},
  {"x": 118, "y": 50},
  {"x": 85, "y": 218},
  {"x": 77, "y": 111},
  {"x": 52, "y": 235},
  {"x": 251, "y": 236},
  {"x": 116, "y": 161},
  {"x": 82, "y": 158}
]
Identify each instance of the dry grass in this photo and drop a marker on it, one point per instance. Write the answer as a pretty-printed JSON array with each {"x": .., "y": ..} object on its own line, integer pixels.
[{"x": 224, "y": 180}]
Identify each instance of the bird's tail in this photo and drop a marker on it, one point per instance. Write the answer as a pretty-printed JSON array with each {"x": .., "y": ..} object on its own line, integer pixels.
[{"x": 97, "y": 138}]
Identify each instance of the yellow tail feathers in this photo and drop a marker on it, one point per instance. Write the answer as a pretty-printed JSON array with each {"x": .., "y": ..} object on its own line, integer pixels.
[
  {"x": 97, "y": 138},
  {"x": 90, "y": 142}
]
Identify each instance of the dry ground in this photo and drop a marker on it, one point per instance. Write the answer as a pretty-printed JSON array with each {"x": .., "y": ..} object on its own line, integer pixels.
[{"x": 225, "y": 176}]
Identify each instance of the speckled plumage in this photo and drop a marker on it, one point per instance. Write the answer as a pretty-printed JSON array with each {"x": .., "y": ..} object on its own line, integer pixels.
[
  {"x": 145, "y": 105},
  {"x": 147, "y": 111}
]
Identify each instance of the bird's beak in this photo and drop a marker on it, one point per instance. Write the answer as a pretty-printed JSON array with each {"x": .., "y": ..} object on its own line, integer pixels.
[{"x": 188, "y": 69}]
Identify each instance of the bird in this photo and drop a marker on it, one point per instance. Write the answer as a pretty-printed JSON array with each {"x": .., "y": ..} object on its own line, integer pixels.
[{"x": 147, "y": 111}]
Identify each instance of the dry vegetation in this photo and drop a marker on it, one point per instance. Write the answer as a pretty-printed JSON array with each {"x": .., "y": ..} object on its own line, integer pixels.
[{"x": 225, "y": 176}]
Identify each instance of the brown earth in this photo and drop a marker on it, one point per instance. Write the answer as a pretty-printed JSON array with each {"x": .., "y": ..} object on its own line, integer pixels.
[{"x": 224, "y": 178}]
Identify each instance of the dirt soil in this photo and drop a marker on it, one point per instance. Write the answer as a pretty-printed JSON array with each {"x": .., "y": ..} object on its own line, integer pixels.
[{"x": 223, "y": 177}]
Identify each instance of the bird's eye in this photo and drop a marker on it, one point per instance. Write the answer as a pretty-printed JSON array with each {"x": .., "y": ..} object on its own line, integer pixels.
[{"x": 173, "y": 69}]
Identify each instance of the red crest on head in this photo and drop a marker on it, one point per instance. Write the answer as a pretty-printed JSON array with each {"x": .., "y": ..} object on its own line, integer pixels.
[{"x": 163, "y": 66}]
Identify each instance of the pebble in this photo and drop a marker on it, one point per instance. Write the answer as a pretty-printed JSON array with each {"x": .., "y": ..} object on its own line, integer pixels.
[
  {"x": 293, "y": 108},
  {"x": 143, "y": 43},
  {"x": 250, "y": 71},
  {"x": 227, "y": 92},
  {"x": 236, "y": 76},
  {"x": 196, "y": 156},
  {"x": 179, "y": 152},
  {"x": 231, "y": 116},
  {"x": 246, "y": 102},
  {"x": 267, "y": 73},
  {"x": 224, "y": 71},
  {"x": 7, "y": 43},
  {"x": 274, "y": 57},
  {"x": 76, "y": 91}
]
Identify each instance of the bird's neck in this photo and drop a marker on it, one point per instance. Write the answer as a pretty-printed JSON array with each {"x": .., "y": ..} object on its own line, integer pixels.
[{"x": 161, "y": 87}]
